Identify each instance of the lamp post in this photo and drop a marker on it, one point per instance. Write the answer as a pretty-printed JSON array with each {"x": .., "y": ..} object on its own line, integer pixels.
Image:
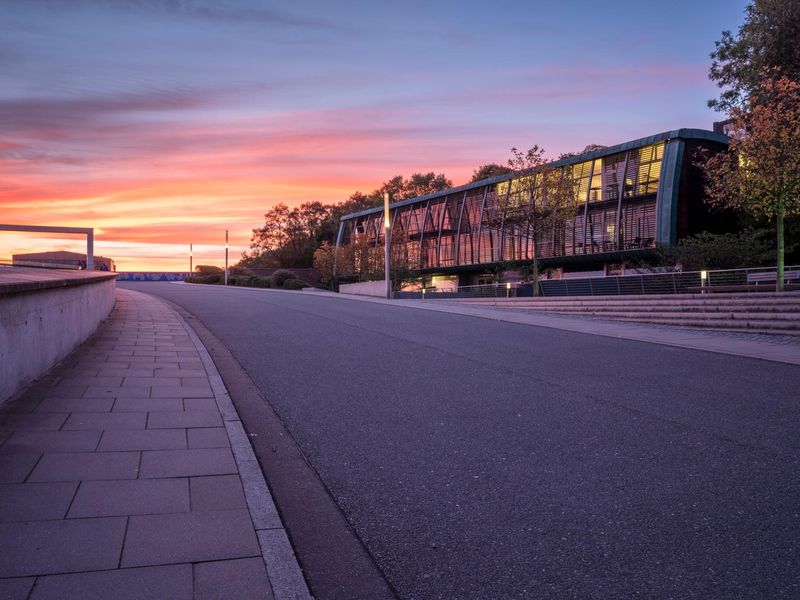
[
  {"x": 386, "y": 233},
  {"x": 226, "y": 257},
  {"x": 190, "y": 260}
]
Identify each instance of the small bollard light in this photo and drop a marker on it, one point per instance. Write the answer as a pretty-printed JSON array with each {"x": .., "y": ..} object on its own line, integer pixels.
[
  {"x": 508, "y": 290},
  {"x": 423, "y": 293},
  {"x": 703, "y": 279}
]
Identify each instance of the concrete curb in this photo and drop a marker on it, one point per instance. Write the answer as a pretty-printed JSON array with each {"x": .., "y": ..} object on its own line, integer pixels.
[{"x": 285, "y": 575}]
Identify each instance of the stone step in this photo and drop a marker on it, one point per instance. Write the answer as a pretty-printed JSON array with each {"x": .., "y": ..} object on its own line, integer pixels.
[
  {"x": 704, "y": 316},
  {"x": 791, "y": 298},
  {"x": 661, "y": 306},
  {"x": 788, "y": 296},
  {"x": 750, "y": 325}
]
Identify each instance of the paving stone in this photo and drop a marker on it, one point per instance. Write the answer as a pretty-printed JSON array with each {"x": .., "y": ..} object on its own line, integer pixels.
[
  {"x": 243, "y": 579},
  {"x": 32, "y": 422},
  {"x": 140, "y": 360},
  {"x": 192, "y": 418},
  {"x": 68, "y": 405},
  {"x": 130, "y": 497},
  {"x": 106, "y": 421},
  {"x": 63, "y": 546},
  {"x": 84, "y": 369},
  {"x": 183, "y": 391},
  {"x": 117, "y": 392},
  {"x": 148, "y": 405},
  {"x": 172, "y": 582},
  {"x": 25, "y": 404},
  {"x": 97, "y": 381},
  {"x": 155, "y": 353},
  {"x": 187, "y": 363},
  {"x": 63, "y": 391},
  {"x": 16, "y": 589},
  {"x": 35, "y": 501},
  {"x": 14, "y": 468},
  {"x": 149, "y": 381},
  {"x": 208, "y": 437},
  {"x": 146, "y": 439},
  {"x": 161, "y": 361},
  {"x": 187, "y": 463},
  {"x": 200, "y": 404},
  {"x": 222, "y": 492},
  {"x": 119, "y": 361},
  {"x": 189, "y": 537},
  {"x": 195, "y": 381},
  {"x": 140, "y": 371},
  {"x": 86, "y": 466},
  {"x": 176, "y": 371},
  {"x": 51, "y": 441}
]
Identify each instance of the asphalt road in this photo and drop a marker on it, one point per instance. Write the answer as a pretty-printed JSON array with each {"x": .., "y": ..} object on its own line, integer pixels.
[{"x": 482, "y": 459}]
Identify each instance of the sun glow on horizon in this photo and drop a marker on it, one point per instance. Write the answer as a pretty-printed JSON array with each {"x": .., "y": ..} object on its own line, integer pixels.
[{"x": 169, "y": 123}]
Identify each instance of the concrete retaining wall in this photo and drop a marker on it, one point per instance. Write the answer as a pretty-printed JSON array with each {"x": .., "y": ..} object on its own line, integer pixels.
[
  {"x": 44, "y": 315},
  {"x": 364, "y": 288}
]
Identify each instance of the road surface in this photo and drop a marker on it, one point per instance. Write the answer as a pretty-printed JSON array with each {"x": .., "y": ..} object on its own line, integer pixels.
[{"x": 482, "y": 459}]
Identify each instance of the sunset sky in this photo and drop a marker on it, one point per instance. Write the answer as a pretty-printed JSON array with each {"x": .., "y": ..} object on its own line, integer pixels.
[{"x": 162, "y": 123}]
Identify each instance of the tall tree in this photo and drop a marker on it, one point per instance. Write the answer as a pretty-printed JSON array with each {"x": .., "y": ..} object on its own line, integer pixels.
[
  {"x": 289, "y": 236},
  {"x": 489, "y": 170},
  {"x": 420, "y": 184},
  {"x": 760, "y": 171},
  {"x": 588, "y": 148},
  {"x": 767, "y": 39},
  {"x": 540, "y": 201}
]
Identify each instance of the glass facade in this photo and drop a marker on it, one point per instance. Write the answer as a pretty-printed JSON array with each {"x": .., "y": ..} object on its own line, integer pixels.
[{"x": 616, "y": 194}]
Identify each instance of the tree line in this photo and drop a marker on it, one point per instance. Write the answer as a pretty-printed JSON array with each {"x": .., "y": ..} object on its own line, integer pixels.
[
  {"x": 290, "y": 236},
  {"x": 758, "y": 71}
]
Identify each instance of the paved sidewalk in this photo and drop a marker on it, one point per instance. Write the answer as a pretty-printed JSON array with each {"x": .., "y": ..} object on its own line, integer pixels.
[{"x": 125, "y": 473}]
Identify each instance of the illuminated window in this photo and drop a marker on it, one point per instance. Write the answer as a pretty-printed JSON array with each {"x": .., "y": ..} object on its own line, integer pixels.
[
  {"x": 649, "y": 169},
  {"x": 596, "y": 187},
  {"x": 581, "y": 173}
]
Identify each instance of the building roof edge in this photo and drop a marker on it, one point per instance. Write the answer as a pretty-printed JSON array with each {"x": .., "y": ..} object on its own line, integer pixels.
[{"x": 684, "y": 133}]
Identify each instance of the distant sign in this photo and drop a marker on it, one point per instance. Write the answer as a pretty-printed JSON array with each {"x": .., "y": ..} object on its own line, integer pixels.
[{"x": 152, "y": 276}]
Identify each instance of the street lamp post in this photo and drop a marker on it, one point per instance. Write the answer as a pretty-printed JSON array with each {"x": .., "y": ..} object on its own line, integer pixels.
[
  {"x": 226, "y": 257},
  {"x": 387, "y": 232},
  {"x": 190, "y": 260}
]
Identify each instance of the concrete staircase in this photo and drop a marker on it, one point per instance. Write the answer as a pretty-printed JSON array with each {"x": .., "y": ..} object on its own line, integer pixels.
[{"x": 767, "y": 313}]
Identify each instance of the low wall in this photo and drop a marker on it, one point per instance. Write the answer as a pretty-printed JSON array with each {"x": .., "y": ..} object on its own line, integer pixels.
[
  {"x": 44, "y": 315},
  {"x": 152, "y": 275},
  {"x": 364, "y": 288}
]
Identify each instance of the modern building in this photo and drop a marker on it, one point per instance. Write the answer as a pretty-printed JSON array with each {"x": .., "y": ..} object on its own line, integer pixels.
[
  {"x": 64, "y": 258},
  {"x": 629, "y": 198}
]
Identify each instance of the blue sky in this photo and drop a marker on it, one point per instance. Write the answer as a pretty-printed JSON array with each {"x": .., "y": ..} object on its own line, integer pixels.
[{"x": 156, "y": 121}]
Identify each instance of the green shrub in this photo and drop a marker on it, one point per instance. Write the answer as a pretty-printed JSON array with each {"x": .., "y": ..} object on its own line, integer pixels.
[
  {"x": 262, "y": 282},
  {"x": 244, "y": 281},
  {"x": 296, "y": 284},
  {"x": 203, "y": 270},
  {"x": 204, "y": 279},
  {"x": 281, "y": 276}
]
